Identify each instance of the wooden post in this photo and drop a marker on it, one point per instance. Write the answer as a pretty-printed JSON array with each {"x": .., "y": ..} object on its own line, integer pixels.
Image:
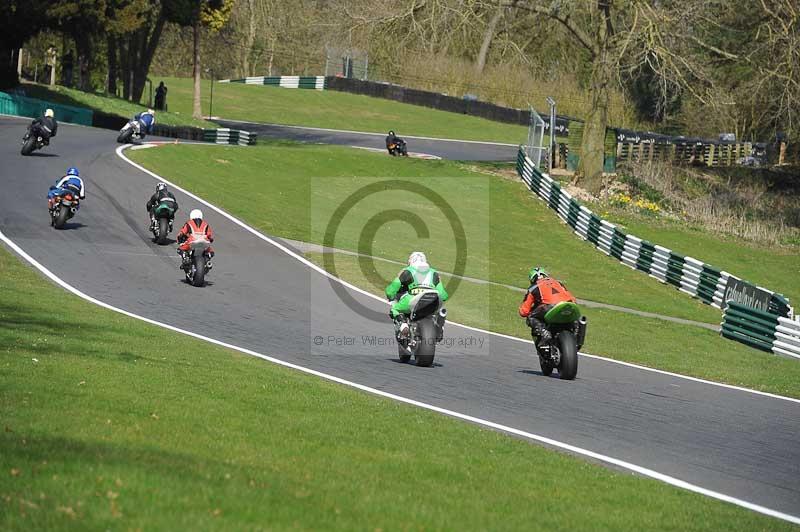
[
  {"x": 710, "y": 158},
  {"x": 782, "y": 154},
  {"x": 19, "y": 62}
]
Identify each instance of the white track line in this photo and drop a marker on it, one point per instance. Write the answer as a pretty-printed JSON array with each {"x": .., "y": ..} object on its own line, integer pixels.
[
  {"x": 367, "y": 133},
  {"x": 321, "y": 271},
  {"x": 517, "y": 432}
]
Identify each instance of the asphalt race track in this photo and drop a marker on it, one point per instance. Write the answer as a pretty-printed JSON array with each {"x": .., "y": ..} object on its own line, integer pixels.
[
  {"x": 730, "y": 441},
  {"x": 446, "y": 149}
]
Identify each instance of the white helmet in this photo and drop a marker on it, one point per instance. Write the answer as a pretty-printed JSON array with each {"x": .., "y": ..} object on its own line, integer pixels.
[
  {"x": 418, "y": 260},
  {"x": 49, "y": 112},
  {"x": 196, "y": 214},
  {"x": 151, "y": 112}
]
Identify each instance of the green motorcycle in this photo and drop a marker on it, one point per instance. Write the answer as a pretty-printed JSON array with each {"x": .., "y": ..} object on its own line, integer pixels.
[
  {"x": 426, "y": 328},
  {"x": 161, "y": 221},
  {"x": 567, "y": 332}
]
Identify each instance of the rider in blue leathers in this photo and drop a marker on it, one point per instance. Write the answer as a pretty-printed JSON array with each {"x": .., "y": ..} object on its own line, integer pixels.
[
  {"x": 147, "y": 120},
  {"x": 71, "y": 182}
]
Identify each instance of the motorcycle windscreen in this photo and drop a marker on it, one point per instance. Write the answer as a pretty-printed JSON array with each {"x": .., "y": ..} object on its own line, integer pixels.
[
  {"x": 424, "y": 304},
  {"x": 563, "y": 312}
]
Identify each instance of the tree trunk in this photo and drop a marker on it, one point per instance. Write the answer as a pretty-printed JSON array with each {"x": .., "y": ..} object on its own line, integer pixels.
[
  {"x": 197, "y": 112},
  {"x": 111, "y": 52},
  {"x": 250, "y": 38},
  {"x": 488, "y": 36},
  {"x": 592, "y": 150},
  {"x": 125, "y": 47},
  {"x": 144, "y": 49}
]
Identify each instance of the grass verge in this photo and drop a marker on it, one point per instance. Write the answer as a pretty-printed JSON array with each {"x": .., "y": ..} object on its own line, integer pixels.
[
  {"x": 108, "y": 104},
  {"x": 335, "y": 110},
  {"x": 112, "y": 423}
]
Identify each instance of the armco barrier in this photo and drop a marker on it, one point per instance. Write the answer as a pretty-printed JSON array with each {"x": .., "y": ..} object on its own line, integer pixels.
[
  {"x": 689, "y": 275},
  {"x": 229, "y": 136},
  {"x": 763, "y": 330},
  {"x": 289, "y": 82},
  {"x": 13, "y": 104}
]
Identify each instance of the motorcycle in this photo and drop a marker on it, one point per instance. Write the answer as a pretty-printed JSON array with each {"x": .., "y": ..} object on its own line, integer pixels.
[
  {"x": 199, "y": 262},
  {"x": 62, "y": 207},
  {"x": 33, "y": 140},
  {"x": 397, "y": 147},
  {"x": 161, "y": 218},
  {"x": 567, "y": 333},
  {"x": 426, "y": 328},
  {"x": 130, "y": 131}
]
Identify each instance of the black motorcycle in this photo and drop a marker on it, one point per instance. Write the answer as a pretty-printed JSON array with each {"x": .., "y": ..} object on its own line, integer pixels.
[
  {"x": 426, "y": 328},
  {"x": 34, "y": 139},
  {"x": 397, "y": 147},
  {"x": 199, "y": 263}
]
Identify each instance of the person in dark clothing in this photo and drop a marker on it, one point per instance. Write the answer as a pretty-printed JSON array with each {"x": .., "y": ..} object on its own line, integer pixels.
[
  {"x": 395, "y": 145},
  {"x": 161, "y": 96},
  {"x": 161, "y": 195},
  {"x": 45, "y": 127}
]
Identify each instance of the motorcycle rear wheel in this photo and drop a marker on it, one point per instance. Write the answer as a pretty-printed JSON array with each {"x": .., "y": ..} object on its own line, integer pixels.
[
  {"x": 568, "y": 364},
  {"x": 61, "y": 218},
  {"x": 426, "y": 343},
  {"x": 163, "y": 230},
  {"x": 199, "y": 270}
]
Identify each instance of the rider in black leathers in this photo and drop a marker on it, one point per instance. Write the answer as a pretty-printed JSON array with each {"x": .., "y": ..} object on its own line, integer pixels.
[
  {"x": 46, "y": 126},
  {"x": 161, "y": 194}
]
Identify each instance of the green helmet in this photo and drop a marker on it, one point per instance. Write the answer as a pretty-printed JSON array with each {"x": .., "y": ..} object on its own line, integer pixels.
[{"x": 535, "y": 273}]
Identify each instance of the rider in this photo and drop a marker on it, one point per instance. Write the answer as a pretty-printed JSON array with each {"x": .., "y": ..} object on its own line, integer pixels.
[
  {"x": 391, "y": 138},
  {"x": 147, "y": 120},
  {"x": 418, "y": 274},
  {"x": 161, "y": 195},
  {"x": 195, "y": 226},
  {"x": 47, "y": 126},
  {"x": 72, "y": 182},
  {"x": 543, "y": 293}
]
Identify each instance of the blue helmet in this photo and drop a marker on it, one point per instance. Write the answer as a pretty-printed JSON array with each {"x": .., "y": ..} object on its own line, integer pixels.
[{"x": 73, "y": 171}]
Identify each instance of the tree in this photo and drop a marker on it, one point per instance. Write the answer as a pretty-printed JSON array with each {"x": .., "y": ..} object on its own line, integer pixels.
[
  {"x": 80, "y": 19},
  {"x": 210, "y": 14}
]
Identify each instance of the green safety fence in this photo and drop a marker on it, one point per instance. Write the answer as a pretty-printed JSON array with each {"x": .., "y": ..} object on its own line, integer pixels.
[
  {"x": 711, "y": 285},
  {"x": 14, "y": 104}
]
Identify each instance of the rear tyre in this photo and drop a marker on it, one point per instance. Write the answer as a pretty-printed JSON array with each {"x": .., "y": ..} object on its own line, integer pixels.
[
  {"x": 163, "y": 229},
  {"x": 426, "y": 346},
  {"x": 199, "y": 269},
  {"x": 568, "y": 365},
  {"x": 61, "y": 218},
  {"x": 29, "y": 146}
]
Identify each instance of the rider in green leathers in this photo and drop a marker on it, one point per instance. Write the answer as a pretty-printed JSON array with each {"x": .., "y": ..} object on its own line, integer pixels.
[{"x": 418, "y": 275}]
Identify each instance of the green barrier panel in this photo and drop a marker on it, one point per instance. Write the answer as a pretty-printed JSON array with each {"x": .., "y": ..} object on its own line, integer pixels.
[
  {"x": 13, "y": 104},
  {"x": 745, "y": 339},
  {"x": 744, "y": 325},
  {"x": 770, "y": 317}
]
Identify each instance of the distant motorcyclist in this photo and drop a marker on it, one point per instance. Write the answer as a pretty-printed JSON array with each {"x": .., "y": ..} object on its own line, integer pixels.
[
  {"x": 71, "y": 181},
  {"x": 417, "y": 275},
  {"x": 543, "y": 293},
  {"x": 193, "y": 228},
  {"x": 395, "y": 144},
  {"x": 45, "y": 126},
  {"x": 146, "y": 119},
  {"x": 161, "y": 195}
]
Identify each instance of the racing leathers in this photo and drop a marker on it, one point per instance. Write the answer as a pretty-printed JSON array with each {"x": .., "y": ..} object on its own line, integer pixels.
[
  {"x": 541, "y": 297},
  {"x": 190, "y": 231},
  {"x": 162, "y": 196},
  {"x": 146, "y": 123},
  {"x": 405, "y": 286},
  {"x": 45, "y": 126}
]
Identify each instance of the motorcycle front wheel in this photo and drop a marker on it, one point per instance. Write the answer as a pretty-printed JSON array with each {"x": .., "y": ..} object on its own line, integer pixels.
[
  {"x": 29, "y": 146},
  {"x": 125, "y": 135}
]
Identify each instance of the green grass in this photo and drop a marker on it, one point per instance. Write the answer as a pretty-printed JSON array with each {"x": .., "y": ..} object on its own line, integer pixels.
[
  {"x": 645, "y": 341},
  {"x": 107, "y": 104},
  {"x": 292, "y": 191},
  {"x": 110, "y": 423},
  {"x": 335, "y": 110}
]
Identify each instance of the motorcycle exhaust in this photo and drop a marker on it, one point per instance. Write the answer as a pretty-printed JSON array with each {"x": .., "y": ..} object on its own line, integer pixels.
[
  {"x": 73, "y": 210},
  {"x": 440, "y": 319},
  {"x": 581, "y": 336}
]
